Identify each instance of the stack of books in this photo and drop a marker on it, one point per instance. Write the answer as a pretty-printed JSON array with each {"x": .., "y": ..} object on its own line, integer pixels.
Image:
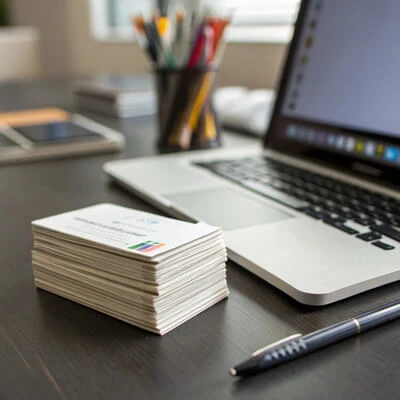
[
  {"x": 150, "y": 271},
  {"x": 122, "y": 96}
]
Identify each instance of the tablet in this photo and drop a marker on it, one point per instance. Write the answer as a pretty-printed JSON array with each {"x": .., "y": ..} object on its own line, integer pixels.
[{"x": 52, "y": 133}]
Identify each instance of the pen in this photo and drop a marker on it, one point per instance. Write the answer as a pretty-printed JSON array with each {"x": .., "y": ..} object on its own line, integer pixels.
[
  {"x": 298, "y": 345},
  {"x": 198, "y": 47},
  {"x": 163, "y": 48},
  {"x": 144, "y": 38}
]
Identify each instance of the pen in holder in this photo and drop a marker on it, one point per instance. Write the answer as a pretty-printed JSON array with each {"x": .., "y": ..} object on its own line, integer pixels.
[
  {"x": 186, "y": 115},
  {"x": 185, "y": 49}
]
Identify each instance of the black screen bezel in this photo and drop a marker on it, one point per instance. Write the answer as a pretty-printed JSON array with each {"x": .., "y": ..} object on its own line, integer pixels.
[{"x": 275, "y": 136}]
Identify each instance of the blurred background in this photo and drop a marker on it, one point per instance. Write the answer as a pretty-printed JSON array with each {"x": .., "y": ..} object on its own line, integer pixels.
[{"x": 45, "y": 38}]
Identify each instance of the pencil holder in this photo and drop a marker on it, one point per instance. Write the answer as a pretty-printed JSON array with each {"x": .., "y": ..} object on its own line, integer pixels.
[{"x": 186, "y": 115}]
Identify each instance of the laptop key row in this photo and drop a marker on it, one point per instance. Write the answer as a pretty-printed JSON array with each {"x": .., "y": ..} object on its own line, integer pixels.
[{"x": 320, "y": 197}]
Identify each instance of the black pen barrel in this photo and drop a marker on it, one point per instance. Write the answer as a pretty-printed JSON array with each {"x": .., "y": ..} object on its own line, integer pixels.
[
  {"x": 330, "y": 335},
  {"x": 378, "y": 317},
  {"x": 343, "y": 330}
]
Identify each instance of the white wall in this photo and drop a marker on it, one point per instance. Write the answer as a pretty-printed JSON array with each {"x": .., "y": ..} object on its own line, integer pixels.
[
  {"x": 19, "y": 53},
  {"x": 49, "y": 17}
]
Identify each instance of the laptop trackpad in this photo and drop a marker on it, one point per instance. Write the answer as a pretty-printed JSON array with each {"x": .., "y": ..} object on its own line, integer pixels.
[{"x": 227, "y": 208}]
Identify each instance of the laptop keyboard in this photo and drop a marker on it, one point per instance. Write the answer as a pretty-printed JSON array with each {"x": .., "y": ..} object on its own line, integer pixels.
[{"x": 369, "y": 216}]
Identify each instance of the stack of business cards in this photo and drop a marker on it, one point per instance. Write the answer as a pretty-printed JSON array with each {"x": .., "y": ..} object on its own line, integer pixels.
[{"x": 151, "y": 271}]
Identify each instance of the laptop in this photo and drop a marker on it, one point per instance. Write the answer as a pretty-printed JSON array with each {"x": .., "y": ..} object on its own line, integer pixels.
[{"x": 316, "y": 210}]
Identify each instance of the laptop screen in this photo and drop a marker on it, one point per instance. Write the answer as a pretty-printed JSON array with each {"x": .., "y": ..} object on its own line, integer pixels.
[{"x": 339, "y": 98}]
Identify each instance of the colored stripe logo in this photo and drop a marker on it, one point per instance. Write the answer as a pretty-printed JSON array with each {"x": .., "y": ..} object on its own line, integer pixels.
[{"x": 146, "y": 247}]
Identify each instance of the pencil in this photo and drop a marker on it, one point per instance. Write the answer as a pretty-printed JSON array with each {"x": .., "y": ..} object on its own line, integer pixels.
[
  {"x": 211, "y": 128},
  {"x": 200, "y": 100}
]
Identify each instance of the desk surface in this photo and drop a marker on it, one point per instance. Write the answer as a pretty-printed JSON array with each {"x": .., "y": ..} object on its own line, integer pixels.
[{"x": 51, "y": 348}]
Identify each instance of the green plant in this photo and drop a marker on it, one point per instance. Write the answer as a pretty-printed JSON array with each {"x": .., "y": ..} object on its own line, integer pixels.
[{"x": 3, "y": 13}]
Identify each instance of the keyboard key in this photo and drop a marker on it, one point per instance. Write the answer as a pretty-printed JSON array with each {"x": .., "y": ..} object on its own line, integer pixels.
[
  {"x": 265, "y": 179},
  {"x": 396, "y": 222},
  {"x": 275, "y": 194},
  {"x": 317, "y": 212},
  {"x": 313, "y": 214},
  {"x": 338, "y": 223},
  {"x": 330, "y": 205},
  {"x": 389, "y": 215},
  {"x": 369, "y": 236},
  {"x": 277, "y": 185},
  {"x": 387, "y": 230},
  {"x": 360, "y": 221},
  {"x": 345, "y": 212},
  {"x": 362, "y": 216},
  {"x": 312, "y": 198},
  {"x": 383, "y": 245}
]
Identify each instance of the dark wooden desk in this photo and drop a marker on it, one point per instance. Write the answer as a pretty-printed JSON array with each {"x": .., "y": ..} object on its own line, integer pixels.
[{"x": 51, "y": 348}]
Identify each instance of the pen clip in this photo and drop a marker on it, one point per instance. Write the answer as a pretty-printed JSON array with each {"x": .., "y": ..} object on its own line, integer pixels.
[{"x": 277, "y": 344}]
